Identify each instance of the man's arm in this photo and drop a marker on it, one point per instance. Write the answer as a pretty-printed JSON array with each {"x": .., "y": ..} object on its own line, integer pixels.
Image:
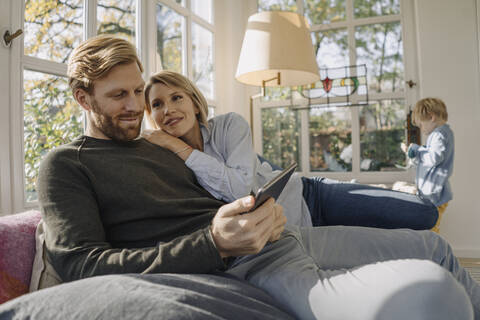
[{"x": 76, "y": 242}]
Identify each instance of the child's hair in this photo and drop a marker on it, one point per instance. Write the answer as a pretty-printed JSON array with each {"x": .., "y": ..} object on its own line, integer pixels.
[
  {"x": 425, "y": 108},
  {"x": 95, "y": 57},
  {"x": 174, "y": 79}
]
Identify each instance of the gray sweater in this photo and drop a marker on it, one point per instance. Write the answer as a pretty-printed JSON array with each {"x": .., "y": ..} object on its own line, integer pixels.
[{"x": 134, "y": 207}]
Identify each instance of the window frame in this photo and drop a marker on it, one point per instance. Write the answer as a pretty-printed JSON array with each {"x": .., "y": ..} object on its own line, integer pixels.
[
  {"x": 13, "y": 197},
  {"x": 410, "y": 95},
  {"x": 190, "y": 18}
]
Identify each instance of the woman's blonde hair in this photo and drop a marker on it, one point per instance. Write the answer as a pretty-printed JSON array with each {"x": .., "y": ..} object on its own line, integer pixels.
[
  {"x": 174, "y": 79},
  {"x": 95, "y": 57},
  {"x": 425, "y": 108}
]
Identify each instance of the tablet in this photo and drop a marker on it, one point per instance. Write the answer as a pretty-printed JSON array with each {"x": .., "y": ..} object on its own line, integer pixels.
[{"x": 274, "y": 187}]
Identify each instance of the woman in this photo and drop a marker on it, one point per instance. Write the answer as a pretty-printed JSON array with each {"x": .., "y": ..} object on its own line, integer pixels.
[{"x": 220, "y": 153}]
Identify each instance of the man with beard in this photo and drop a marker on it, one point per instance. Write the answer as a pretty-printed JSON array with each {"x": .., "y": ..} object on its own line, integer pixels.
[{"x": 113, "y": 203}]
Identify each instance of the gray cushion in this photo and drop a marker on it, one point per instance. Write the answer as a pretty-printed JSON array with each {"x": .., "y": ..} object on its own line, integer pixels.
[{"x": 156, "y": 296}]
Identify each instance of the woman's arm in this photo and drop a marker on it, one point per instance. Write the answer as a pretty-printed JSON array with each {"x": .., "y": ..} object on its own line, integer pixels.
[
  {"x": 167, "y": 141},
  {"x": 227, "y": 177},
  {"x": 227, "y": 168}
]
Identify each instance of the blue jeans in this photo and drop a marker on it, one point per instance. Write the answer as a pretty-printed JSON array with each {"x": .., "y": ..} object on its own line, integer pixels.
[
  {"x": 357, "y": 273},
  {"x": 332, "y": 202}
]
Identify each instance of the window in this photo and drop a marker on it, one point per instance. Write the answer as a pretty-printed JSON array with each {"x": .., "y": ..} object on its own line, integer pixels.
[
  {"x": 185, "y": 43},
  {"x": 52, "y": 29},
  {"x": 329, "y": 138},
  {"x": 169, "y": 34}
]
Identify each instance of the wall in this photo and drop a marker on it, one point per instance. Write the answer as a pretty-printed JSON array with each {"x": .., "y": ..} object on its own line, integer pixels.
[
  {"x": 232, "y": 16},
  {"x": 447, "y": 38}
]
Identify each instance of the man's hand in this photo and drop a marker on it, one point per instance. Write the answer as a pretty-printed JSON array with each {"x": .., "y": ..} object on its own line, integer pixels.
[
  {"x": 404, "y": 147},
  {"x": 237, "y": 234},
  {"x": 280, "y": 220}
]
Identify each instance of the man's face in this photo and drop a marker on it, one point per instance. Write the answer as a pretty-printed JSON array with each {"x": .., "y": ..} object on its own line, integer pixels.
[{"x": 117, "y": 105}]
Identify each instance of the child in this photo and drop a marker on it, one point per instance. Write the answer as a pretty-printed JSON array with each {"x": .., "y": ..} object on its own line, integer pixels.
[{"x": 434, "y": 161}]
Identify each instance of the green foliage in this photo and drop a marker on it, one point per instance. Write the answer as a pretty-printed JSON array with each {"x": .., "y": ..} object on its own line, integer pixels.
[
  {"x": 372, "y": 8},
  {"x": 281, "y": 136},
  {"x": 117, "y": 17},
  {"x": 329, "y": 136},
  {"x": 52, "y": 28},
  {"x": 325, "y": 11},
  {"x": 51, "y": 118},
  {"x": 277, "y": 5},
  {"x": 382, "y": 146},
  {"x": 169, "y": 38}
]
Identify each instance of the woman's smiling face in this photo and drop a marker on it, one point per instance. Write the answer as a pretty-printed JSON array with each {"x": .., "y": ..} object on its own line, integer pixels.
[{"x": 174, "y": 111}]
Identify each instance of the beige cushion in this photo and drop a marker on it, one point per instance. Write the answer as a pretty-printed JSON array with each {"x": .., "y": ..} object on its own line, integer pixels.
[{"x": 43, "y": 274}]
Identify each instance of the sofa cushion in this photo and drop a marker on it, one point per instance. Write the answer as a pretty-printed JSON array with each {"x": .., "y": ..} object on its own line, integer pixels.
[
  {"x": 147, "y": 296},
  {"x": 17, "y": 250}
]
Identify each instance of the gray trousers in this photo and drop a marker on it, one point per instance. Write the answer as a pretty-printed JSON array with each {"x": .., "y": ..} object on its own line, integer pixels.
[{"x": 350, "y": 273}]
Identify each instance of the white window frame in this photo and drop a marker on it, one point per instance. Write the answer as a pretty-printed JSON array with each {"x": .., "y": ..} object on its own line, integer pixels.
[
  {"x": 410, "y": 95},
  {"x": 190, "y": 17},
  {"x": 12, "y": 175}
]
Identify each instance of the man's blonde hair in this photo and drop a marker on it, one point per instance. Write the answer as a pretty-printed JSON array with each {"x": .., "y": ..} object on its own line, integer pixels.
[
  {"x": 174, "y": 79},
  {"x": 425, "y": 108},
  {"x": 95, "y": 57}
]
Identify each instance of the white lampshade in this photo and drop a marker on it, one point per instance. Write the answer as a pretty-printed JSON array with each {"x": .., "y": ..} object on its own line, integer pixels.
[{"x": 277, "y": 42}]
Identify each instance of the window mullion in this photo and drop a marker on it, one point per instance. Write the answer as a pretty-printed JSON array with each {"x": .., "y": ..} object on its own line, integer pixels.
[
  {"x": 257, "y": 125},
  {"x": 202, "y": 22},
  {"x": 305, "y": 140},
  {"x": 300, "y": 7},
  {"x": 177, "y": 7},
  {"x": 353, "y": 111},
  {"x": 89, "y": 19},
  {"x": 44, "y": 66},
  {"x": 188, "y": 44},
  {"x": 409, "y": 40}
]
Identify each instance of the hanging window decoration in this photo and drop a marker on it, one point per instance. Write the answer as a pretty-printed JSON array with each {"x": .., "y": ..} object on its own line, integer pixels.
[{"x": 339, "y": 87}]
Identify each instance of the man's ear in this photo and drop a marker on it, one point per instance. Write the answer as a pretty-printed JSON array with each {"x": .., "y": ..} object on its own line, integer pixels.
[{"x": 83, "y": 99}]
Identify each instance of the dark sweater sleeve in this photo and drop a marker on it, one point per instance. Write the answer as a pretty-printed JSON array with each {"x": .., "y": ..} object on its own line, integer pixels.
[{"x": 75, "y": 237}]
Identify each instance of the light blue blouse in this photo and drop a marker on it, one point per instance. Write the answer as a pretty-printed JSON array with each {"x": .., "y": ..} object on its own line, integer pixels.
[
  {"x": 435, "y": 165},
  {"x": 229, "y": 169}
]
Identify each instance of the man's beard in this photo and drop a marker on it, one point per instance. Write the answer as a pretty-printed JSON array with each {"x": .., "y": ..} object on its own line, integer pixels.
[{"x": 110, "y": 128}]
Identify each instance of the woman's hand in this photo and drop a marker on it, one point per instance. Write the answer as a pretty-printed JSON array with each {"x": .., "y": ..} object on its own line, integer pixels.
[
  {"x": 161, "y": 138},
  {"x": 167, "y": 141}
]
